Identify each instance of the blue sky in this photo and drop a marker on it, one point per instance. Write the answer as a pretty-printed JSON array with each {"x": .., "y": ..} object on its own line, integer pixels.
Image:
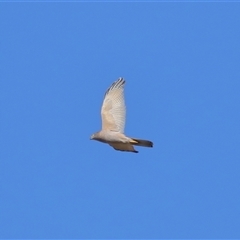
[{"x": 181, "y": 65}]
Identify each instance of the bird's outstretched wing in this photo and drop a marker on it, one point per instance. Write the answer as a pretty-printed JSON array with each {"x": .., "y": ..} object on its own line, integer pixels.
[
  {"x": 113, "y": 108},
  {"x": 125, "y": 147}
]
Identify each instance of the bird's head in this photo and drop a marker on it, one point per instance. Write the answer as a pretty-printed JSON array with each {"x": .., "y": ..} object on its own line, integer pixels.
[{"x": 94, "y": 136}]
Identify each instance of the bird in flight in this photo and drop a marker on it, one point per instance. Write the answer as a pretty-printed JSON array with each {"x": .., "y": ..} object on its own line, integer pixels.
[{"x": 113, "y": 114}]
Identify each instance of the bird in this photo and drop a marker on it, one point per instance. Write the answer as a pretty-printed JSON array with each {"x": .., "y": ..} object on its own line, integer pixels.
[{"x": 113, "y": 113}]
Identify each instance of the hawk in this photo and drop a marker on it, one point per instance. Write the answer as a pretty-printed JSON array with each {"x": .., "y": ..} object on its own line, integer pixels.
[{"x": 113, "y": 114}]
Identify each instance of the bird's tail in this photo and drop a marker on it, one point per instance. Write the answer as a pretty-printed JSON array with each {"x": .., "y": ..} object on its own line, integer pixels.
[{"x": 141, "y": 142}]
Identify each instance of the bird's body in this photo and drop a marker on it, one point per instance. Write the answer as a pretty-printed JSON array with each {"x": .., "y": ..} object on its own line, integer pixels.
[{"x": 113, "y": 121}]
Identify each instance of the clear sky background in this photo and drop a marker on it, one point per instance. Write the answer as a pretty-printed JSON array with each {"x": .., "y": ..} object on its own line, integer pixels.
[{"x": 181, "y": 62}]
